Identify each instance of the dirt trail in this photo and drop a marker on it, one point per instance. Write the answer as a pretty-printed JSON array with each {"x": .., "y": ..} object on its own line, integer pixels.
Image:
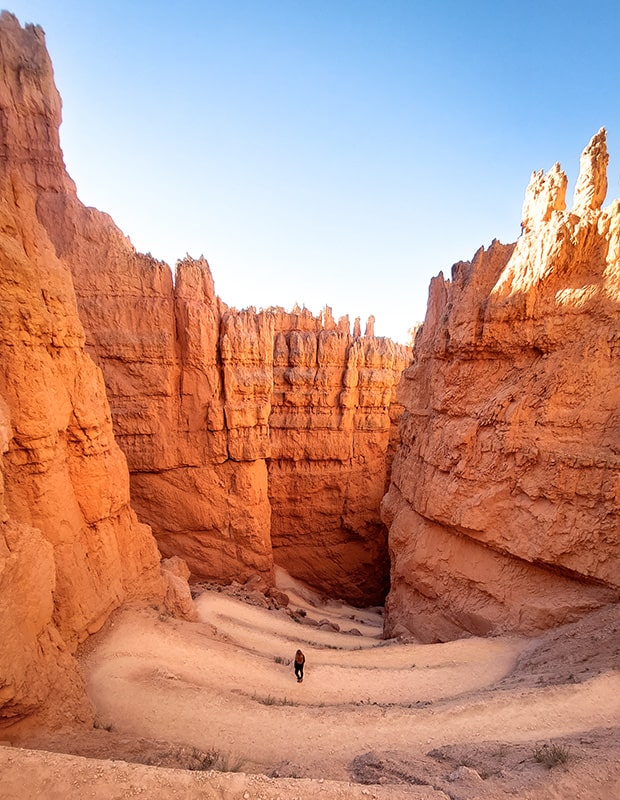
[
  {"x": 220, "y": 684},
  {"x": 182, "y": 682}
]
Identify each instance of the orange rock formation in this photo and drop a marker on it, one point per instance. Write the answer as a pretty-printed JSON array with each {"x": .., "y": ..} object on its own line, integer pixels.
[
  {"x": 235, "y": 424},
  {"x": 504, "y": 496},
  {"x": 255, "y": 438},
  {"x": 249, "y": 435},
  {"x": 332, "y": 424},
  {"x": 71, "y": 548}
]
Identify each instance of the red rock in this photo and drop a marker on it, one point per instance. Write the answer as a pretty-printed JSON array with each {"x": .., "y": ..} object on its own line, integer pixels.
[
  {"x": 503, "y": 505},
  {"x": 178, "y": 597},
  {"x": 71, "y": 548},
  {"x": 232, "y": 422},
  {"x": 250, "y": 436},
  {"x": 332, "y": 425},
  {"x": 281, "y": 599}
]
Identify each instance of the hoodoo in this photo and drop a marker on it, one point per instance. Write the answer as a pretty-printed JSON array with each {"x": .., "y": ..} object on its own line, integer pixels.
[{"x": 504, "y": 499}]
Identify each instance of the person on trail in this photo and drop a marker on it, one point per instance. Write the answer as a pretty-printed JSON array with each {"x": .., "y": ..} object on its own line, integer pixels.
[{"x": 300, "y": 660}]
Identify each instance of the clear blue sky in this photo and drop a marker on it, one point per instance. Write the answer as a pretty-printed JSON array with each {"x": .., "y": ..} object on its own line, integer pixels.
[{"x": 335, "y": 152}]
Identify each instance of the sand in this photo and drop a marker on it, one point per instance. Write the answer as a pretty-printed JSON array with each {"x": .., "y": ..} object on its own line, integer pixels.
[{"x": 465, "y": 719}]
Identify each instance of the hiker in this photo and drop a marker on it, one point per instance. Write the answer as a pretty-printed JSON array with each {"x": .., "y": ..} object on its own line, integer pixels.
[{"x": 300, "y": 660}]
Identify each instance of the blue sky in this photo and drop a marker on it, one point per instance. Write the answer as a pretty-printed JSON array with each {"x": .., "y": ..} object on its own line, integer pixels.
[{"x": 336, "y": 152}]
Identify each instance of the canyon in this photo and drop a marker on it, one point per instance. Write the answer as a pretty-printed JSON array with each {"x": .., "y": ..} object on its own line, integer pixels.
[
  {"x": 252, "y": 437},
  {"x": 134, "y": 404},
  {"x": 476, "y": 478}
]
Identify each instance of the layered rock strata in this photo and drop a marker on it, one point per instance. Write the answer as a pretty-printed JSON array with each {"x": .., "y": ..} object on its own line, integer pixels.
[
  {"x": 332, "y": 424},
  {"x": 253, "y": 438},
  {"x": 504, "y": 499},
  {"x": 71, "y": 547},
  {"x": 235, "y": 424}
]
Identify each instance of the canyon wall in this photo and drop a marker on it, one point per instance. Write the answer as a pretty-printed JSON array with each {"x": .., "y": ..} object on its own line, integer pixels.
[
  {"x": 332, "y": 423},
  {"x": 504, "y": 499},
  {"x": 250, "y": 436},
  {"x": 262, "y": 438},
  {"x": 71, "y": 547}
]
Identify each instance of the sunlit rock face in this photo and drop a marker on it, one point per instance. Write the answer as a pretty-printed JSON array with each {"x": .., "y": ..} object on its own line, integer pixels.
[
  {"x": 504, "y": 499},
  {"x": 252, "y": 437},
  {"x": 71, "y": 547},
  {"x": 227, "y": 418}
]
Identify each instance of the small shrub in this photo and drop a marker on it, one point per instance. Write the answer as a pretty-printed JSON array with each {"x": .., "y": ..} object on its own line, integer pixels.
[
  {"x": 551, "y": 755},
  {"x": 282, "y": 660},
  {"x": 228, "y": 762},
  {"x": 273, "y": 701},
  {"x": 212, "y": 760},
  {"x": 201, "y": 761},
  {"x": 267, "y": 701},
  {"x": 104, "y": 726}
]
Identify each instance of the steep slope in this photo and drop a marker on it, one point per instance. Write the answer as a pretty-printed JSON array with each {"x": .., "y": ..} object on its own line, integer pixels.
[
  {"x": 333, "y": 417},
  {"x": 71, "y": 548},
  {"x": 504, "y": 501},
  {"x": 250, "y": 436}
]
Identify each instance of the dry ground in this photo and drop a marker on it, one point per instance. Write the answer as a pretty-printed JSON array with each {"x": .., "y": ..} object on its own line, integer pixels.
[{"x": 475, "y": 718}]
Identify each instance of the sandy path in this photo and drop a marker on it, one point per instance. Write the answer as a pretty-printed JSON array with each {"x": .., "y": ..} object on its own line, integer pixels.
[{"x": 222, "y": 689}]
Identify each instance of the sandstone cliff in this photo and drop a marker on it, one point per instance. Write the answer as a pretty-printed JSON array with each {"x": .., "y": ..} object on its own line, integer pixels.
[
  {"x": 333, "y": 418},
  {"x": 234, "y": 423},
  {"x": 251, "y": 437},
  {"x": 71, "y": 548},
  {"x": 504, "y": 499},
  {"x": 262, "y": 437}
]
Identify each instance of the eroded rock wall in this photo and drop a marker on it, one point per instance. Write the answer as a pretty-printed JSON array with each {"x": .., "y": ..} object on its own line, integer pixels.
[
  {"x": 71, "y": 547},
  {"x": 332, "y": 417},
  {"x": 504, "y": 499},
  {"x": 250, "y": 436},
  {"x": 198, "y": 474},
  {"x": 253, "y": 437}
]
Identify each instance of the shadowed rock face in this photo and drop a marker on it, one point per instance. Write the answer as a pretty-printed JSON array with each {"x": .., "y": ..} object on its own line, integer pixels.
[
  {"x": 505, "y": 491},
  {"x": 71, "y": 548},
  {"x": 250, "y": 436},
  {"x": 332, "y": 425}
]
